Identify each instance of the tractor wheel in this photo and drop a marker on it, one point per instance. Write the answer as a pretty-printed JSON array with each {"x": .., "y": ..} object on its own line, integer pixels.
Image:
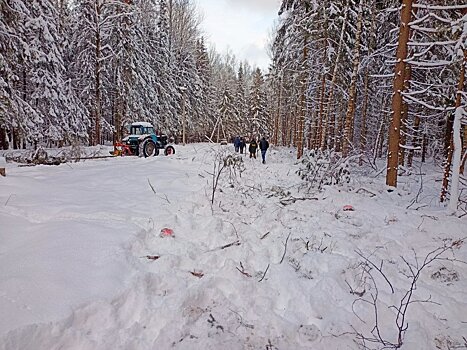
[
  {"x": 169, "y": 150},
  {"x": 148, "y": 148}
]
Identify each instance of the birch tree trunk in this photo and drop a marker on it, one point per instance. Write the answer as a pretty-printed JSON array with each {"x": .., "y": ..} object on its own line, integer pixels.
[
  {"x": 458, "y": 115},
  {"x": 456, "y": 158},
  {"x": 398, "y": 87},
  {"x": 464, "y": 146}
]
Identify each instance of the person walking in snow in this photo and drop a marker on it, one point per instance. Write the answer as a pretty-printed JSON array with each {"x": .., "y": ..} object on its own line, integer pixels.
[
  {"x": 252, "y": 149},
  {"x": 236, "y": 143},
  {"x": 263, "y": 146},
  {"x": 242, "y": 145}
]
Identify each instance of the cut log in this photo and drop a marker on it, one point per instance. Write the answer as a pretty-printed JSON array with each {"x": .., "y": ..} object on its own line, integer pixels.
[{"x": 2, "y": 172}]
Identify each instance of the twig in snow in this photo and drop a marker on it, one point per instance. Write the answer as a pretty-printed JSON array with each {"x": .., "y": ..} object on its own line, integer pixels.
[
  {"x": 152, "y": 187},
  {"x": 242, "y": 271},
  {"x": 285, "y": 248},
  {"x": 418, "y": 227},
  {"x": 380, "y": 172},
  {"x": 366, "y": 191},
  {"x": 151, "y": 257},
  {"x": 155, "y": 193},
  {"x": 264, "y": 274},
  {"x": 236, "y": 233},
  {"x": 420, "y": 190},
  {"x": 290, "y": 200},
  {"x": 270, "y": 346},
  {"x": 197, "y": 274},
  {"x": 246, "y": 325},
  {"x": 354, "y": 292},
  {"x": 11, "y": 195},
  {"x": 230, "y": 245},
  {"x": 430, "y": 216},
  {"x": 379, "y": 269},
  {"x": 264, "y": 236},
  {"x": 401, "y": 308}
]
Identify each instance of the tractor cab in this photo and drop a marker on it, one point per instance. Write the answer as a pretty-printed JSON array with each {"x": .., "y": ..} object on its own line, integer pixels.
[
  {"x": 142, "y": 141},
  {"x": 140, "y": 128}
]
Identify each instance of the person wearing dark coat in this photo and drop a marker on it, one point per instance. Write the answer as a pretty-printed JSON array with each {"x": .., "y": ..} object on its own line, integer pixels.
[
  {"x": 253, "y": 147},
  {"x": 242, "y": 144},
  {"x": 236, "y": 143},
  {"x": 263, "y": 146}
]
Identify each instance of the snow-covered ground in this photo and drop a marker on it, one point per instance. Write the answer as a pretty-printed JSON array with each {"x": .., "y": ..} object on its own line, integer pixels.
[{"x": 264, "y": 267}]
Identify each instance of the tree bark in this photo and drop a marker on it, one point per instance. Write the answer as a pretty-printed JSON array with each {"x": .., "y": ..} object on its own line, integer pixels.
[
  {"x": 415, "y": 140},
  {"x": 447, "y": 167},
  {"x": 334, "y": 77},
  {"x": 394, "y": 128},
  {"x": 183, "y": 119},
  {"x": 363, "y": 127},
  {"x": 3, "y": 139},
  {"x": 303, "y": 99},
  {"x": 97, "y": 97},
  {"x": 371, "y": 48},
  {"x": 424, "y": 147},
  {"x": 275, "y": 132},
  {"x": 404, "y": 115},
  {"x": 349, "y": 116},
  {"x": 320, "y": 114},
  {"x": 339, "y": 125}
]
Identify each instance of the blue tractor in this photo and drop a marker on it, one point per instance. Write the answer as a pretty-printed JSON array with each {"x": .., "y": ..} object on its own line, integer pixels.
[{"x": 142, "y": 141}]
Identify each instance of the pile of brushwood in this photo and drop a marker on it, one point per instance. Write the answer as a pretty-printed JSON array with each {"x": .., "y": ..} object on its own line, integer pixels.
[{"x": 40, "y": 156}]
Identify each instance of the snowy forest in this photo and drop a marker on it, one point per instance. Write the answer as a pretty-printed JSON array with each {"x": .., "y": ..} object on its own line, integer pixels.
[
  {"x": 79, "y": 71},
  {"x": 346, "y": 229}
]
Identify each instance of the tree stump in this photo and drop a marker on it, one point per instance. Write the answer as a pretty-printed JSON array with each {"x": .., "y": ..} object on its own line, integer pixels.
[{"x": 2, "y": 172}]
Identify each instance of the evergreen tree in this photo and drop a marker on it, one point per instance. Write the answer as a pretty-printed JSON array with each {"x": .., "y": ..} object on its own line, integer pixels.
[{"x": 258, "y": 110}]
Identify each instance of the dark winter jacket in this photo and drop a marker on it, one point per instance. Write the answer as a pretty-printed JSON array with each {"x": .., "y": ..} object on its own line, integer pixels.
[
  {"x": 263, "y": 144},
  {"x": 237, "y": 141},
  {"x": 253, "y": 146}
]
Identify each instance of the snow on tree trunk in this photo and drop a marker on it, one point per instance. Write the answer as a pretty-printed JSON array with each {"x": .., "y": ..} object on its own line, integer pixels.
[
  {"x": 97, "y": 87},
  {"x": 303, "y": 99},
  {"x": 404, "y": 116},
  {"x": 451, "y": 148},
  {"x": 349, "y": 117},
  {"x": 334, "y": 78},
  {"x": 415, "y": 140},
  {"x": 321, "y": 110},
  {"x": 456, "y": 159}
]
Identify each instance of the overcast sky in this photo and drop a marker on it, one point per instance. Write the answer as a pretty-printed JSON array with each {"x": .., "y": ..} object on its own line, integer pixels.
[{"x": 243, "y": 26}]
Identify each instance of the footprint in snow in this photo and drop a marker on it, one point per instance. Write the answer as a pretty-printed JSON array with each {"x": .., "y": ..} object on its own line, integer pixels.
[{"x": 309, "y": 333}]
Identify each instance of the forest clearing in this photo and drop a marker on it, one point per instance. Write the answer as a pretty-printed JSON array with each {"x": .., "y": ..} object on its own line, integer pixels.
[{"x": 268, "y": 262}]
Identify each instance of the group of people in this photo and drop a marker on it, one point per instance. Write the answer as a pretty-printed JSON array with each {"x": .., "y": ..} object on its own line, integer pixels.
[{"x": 240, "y": 145}]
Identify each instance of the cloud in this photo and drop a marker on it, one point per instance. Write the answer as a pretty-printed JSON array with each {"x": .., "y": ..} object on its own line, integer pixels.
[
  {"x": 241, "y": 26},
  {"x": 256, "y": 5},
  {"x": 256, "y": 55}
]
